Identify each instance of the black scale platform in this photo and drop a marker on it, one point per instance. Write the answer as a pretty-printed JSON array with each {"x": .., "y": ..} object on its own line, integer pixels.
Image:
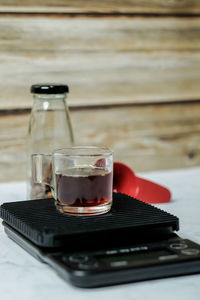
[{"x": 42, "y": 224}]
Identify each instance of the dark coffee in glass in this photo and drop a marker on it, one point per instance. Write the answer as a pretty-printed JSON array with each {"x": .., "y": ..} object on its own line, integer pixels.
[{"x": 84, "y": 187}]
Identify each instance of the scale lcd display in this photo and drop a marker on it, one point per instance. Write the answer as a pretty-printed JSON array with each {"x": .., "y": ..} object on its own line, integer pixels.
[{"x": 136, "y": 258}]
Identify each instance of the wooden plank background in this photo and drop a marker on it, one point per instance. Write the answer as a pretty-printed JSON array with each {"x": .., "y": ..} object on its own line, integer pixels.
[
  {"x": 146, "y": 137},
  {"x": 110, "y": 6},
  {"x": 109, "y": 60},
  {"x": 133, "y": 68}
]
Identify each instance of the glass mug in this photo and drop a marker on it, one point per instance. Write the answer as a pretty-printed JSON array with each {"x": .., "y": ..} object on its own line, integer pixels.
[{"x": 81, "y": 178}]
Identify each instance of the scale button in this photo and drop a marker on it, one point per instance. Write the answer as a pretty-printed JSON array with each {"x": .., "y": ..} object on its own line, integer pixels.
[
  {"x": 167, "y": 257},
  {"x": 78, "y": 258},
  {"x": 90, "y": 264},
  {"x": 178, "y": 246},
  {"x": 111, "y": 251},
  {"x": 120, "y": 263},
  {"x": 124, "y": 250},
  {"x": 190, "y": 251}
]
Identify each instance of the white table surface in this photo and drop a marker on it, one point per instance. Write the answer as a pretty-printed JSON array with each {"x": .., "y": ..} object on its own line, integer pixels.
[{"x": 23, "y": 277}]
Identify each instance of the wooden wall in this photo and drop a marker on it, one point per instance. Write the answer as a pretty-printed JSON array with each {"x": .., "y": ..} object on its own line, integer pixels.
[{"x": 133, "y": 68}]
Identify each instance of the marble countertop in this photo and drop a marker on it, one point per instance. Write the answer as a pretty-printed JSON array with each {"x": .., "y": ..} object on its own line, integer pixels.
[{"x": 23, "y": 277}]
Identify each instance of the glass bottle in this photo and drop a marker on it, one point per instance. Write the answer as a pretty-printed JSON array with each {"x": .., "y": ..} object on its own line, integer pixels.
[{"x": 49, "y": 129}]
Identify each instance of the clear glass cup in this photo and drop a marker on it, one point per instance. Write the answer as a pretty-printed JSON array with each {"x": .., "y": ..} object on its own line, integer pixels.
[{"x": 82, "y": 179}]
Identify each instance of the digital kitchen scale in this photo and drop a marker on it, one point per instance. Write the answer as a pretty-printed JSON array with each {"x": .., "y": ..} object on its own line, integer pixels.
[{"x": 134, "y": 241}]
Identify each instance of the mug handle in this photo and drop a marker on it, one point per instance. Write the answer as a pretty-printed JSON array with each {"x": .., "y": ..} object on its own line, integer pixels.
[{"x": 41, "y": 165}]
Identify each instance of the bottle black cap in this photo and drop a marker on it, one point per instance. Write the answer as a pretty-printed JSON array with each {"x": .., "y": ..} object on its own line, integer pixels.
[{"x": 49, "y": 88}]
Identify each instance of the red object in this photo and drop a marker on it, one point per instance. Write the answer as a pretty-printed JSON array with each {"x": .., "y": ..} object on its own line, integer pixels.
[{"x": 125, "y": 181}]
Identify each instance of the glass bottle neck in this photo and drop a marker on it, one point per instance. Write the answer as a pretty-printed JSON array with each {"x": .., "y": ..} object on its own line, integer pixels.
[
  {"x": 49, "y": 97},
  {"x": 51, "y": 110},
  {"x": 49, "y": 101}
]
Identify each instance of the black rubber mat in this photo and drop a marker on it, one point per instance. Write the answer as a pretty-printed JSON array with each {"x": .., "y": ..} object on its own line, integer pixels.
[{"x": 40, "y": 222}]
